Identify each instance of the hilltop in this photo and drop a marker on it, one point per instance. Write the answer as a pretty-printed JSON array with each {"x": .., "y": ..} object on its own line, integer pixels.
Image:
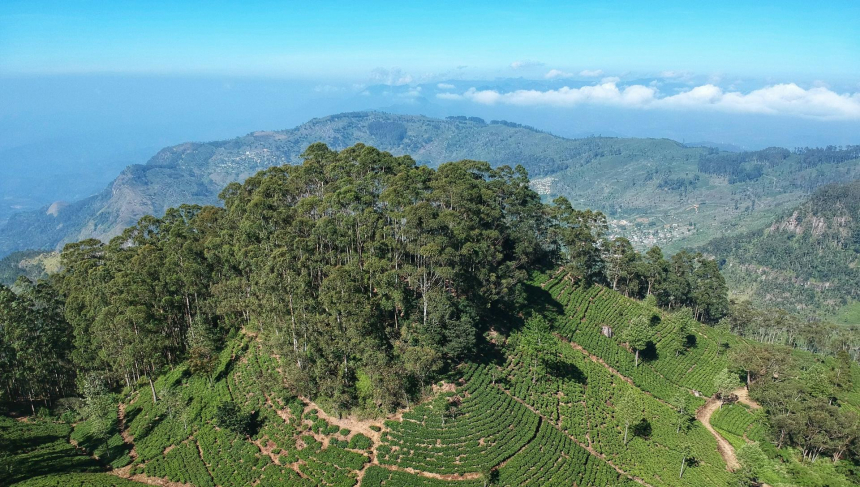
[{"x": 655, "y": 191}]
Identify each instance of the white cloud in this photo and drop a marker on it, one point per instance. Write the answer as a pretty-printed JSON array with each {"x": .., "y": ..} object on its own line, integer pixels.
[
  {"x": 445, "y": 86},
  {"x": 391, "y": 77},
  {"x": 525, "y": 64},
  {"x": 673, "y": 74},
  {"x": 591, "y": 73},
  {"x": 781, "y": 99},
  {"x": 449, "y": 96},
  {"x": 557, "y": 73}
]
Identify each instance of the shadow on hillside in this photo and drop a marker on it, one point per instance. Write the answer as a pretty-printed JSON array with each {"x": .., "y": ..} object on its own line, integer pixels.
[
  {"x": 643, "y": 429},
  {"x": 503, "y": 322},
  {"x": 541, "y": 301},
  {"x": 18, "y": 445},
  {"x": 649, "y": 353},
  {"x": 131, "y": 415},
  {"x": 101, "y": 447},
  {"x": 51, "y": 460},
  {"x": 564, "y": 370}
]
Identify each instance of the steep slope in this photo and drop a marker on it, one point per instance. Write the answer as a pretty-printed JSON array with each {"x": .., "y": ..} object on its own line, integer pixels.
[
  {"x": 655, "y": 191},
  {"x": 806, "y": 261}
]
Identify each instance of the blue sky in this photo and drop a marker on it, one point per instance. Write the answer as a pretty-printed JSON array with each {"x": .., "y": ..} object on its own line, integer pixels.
[
  {"x": 88, "y": 87},
  {"x": 784, "y": 41}
]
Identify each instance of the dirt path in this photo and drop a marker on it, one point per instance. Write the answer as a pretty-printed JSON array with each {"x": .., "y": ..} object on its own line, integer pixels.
[
  {"x": 725, "y": 448},
  {"x": 123, "y": 432},
  {"x": 429, "y": 475},
  {"x": 353, "y": 424},
  {"x": 143, "y": 479},
  {"x": 744, "y": 398}
]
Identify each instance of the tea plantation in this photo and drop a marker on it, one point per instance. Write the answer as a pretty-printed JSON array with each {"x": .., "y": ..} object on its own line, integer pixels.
[{"x": 579, "y": 412}]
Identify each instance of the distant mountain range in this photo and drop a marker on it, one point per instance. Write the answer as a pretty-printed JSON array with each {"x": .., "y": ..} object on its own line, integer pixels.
[{"x": 655, "y": 191}]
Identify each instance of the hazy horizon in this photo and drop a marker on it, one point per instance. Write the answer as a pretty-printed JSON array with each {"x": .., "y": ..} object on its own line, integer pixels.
[{"x": 87, "y": 88}]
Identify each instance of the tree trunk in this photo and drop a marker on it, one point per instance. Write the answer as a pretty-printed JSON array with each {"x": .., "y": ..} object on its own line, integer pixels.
[
  {"x": 637, "y": 358},
  {"x": 626, "y": 426},
  {"x": 152, "y": 387},
  {"x": 683, "y": 464}
]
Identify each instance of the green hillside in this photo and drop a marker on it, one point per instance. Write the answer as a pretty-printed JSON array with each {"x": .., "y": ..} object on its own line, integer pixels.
[
  {"x": 806, "y": 261},
  {"x": 32, "y": 264},
  {"x": 359, "y": 319},
  {"x": 503, "y": 417},
  {"x": 655, "y": 191}
]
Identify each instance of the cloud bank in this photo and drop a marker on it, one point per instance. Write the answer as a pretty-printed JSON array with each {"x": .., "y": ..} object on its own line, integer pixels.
[
  {"x": 591, "y": 73},
  {"x": 526, "y": 63},
  {"x": 781, "y": 99},
  {"x": 391, "y": 77},
  {"x": 557, "y": 73},
  {"x": 585, "y": 73}
]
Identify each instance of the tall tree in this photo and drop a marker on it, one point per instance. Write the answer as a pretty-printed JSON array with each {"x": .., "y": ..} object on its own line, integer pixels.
[
  {"x": 725, "y": 382},
  {"x": 629, "y": 408},
  {"x": 537, "y": 342},
  {"x": 637, "y": 335}
]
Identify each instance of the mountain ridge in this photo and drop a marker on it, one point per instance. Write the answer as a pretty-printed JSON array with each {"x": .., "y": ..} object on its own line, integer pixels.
[{"x": 655, "y": 191}]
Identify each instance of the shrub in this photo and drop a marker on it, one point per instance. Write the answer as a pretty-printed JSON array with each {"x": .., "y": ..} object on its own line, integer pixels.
[{"x": 229, "y": 416}]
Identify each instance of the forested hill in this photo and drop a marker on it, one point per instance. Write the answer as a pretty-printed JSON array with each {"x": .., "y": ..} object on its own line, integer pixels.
[
  {"x": 655, "y": 191},
  {"x": 358, "y": 319},
  {"x": 806, "y": 262}
]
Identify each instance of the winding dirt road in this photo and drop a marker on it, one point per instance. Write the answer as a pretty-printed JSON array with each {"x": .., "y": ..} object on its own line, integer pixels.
[{"x": 727, "y": 451}]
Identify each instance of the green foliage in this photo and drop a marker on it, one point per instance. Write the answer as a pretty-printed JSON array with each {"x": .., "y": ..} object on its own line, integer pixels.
[
  {"x": 39, "y": 450},
  {"x": 637, "y": 335},
  {"x": 358, "y": 278},
  {"x": 360, "y": 442},
  {"x": 99, "y": 433},
  {"x": 354, "y": 261},
  {"x": 79, "y": 480},
  {"x": 805, "y": 261},
  {"x": 35, "y": 344},
  {"x": 228, "y": 415},
  {"x": 32, "y": 264},
  {"x": 724, "y": 383}
]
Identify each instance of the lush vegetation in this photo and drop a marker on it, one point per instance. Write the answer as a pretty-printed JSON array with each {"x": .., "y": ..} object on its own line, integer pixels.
[
  {"x": 37, "y": 453},
  {"x": 32, "y": 264},
  {"x": 369, "y": 272},
  {"x": 362, "y": 319},
  {"x": 805, "y": 261}
]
